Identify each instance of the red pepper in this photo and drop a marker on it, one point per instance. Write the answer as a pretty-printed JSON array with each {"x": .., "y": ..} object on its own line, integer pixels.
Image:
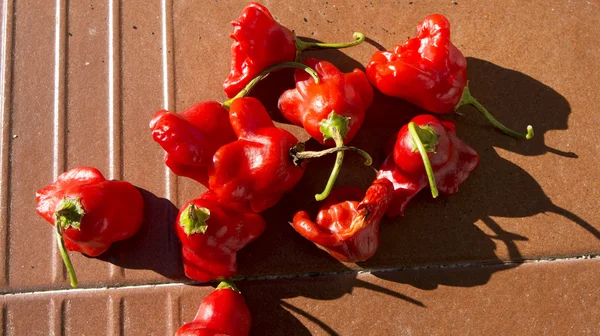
[
  {"x": 211, "y": 233},
  {"x": 263, "y": 164},
  {"x": 331, "y": 111},
  {"x": 346, "y": 228},
  {"x": 260, "y": 41},
  {"x": 192, "y": 137},
  {"x": 427, "y": 150},
  {"x": 222, "y": 312},
  {"x": 430, "y": 72},
  {"x": 89, "y": 212},
  {"x": 257, "y": 167}
]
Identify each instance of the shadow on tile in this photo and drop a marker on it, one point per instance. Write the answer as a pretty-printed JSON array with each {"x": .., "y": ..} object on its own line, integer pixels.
[
  {"x": 458, "y": 229},
  {"x": 155, "y": 247}
]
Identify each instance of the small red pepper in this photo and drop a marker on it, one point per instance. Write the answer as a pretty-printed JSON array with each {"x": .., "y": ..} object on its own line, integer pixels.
[
  {"x": 192, "y": 137},
  {"x": 211, "y": 233},
  {"x": 346, "y": 228},
  {"x": 427, "y": 150},
  {"x": 257, "y": 167},
  {"x": 430, "y": 72},
  {"x": 223, "y": 312},
  {"x": 331, "y": 111},
  {"x": 260, "y": 41},
  {"x": 263, "y": 164},
  {"x": 89, "y": 212}
]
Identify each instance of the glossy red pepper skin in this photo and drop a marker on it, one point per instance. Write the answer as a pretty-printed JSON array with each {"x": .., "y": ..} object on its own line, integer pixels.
[
  {"x": 211, "y": 254},
  {"x": 259, "y": 42},
  {"x": 452, "y": 162},
  {"x": 113, "y": 210},
  {"x": 192, "y": 137},
  {"x": 427, "y": 70},
  {"x": 222, "y": 312},
  {"x": 257, "y": 167},
  {"x": 346, "y": 227},
  {"x": 307, "y": 105}
]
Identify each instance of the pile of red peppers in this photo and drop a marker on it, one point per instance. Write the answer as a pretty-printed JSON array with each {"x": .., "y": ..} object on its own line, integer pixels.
[{"x": 248, "y": 164}]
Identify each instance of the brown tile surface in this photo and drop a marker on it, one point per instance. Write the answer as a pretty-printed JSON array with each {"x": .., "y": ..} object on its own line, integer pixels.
[
  {"x": 547, "y": 298},
  {"x": 81, "y": 80}
]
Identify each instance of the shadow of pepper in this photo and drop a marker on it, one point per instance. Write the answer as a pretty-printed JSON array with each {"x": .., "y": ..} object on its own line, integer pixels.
[
  {"x": 459, "y": 230},
  {"x": 267, "y": 301},
  {"x": 155, "y": 247}
]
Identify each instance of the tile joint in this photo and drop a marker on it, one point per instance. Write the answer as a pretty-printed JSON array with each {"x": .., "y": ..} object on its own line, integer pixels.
[{"x": 313, "y": 275}]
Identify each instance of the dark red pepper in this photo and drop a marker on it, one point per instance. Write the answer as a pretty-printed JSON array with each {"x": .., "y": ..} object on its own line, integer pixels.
[
  {"x": 89, "y": 212},
  {"x": 430, "y": 72},
  {"x": 260, "y": 41},
  {"x": 331, "y": 111},
  {"x": 223, "y": 312},
  {"x": 263, "y": 164},
  {"x": 347, "y": 228},
  {"x": 192, "y": 137},
  {"x": 257, "y": 167},
  {"x": 427, "y": 151},
  {"x": 211, "y": 233}
]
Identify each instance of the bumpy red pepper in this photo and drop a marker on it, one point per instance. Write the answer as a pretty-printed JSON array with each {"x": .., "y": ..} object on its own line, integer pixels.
[
  {"x": 348, "y": 229},
  {"x": 211, "y": 233},
  {"x": 263, "y": 164},
  {"x": 331, "y": 111},
  {"x": 260, "y": 41},
  {"x": 223, "y": 312},
  {"x": 430, "y": 72},
  {"x": 192, "y": 137},
  {"x": 89, "y": 212},
  {"x": 257, "y": 167},
  {"x": 427, "y": 150}
]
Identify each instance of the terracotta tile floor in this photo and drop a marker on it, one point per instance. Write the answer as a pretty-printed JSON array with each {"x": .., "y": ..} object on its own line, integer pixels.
[{"x": 514, "y": 252}]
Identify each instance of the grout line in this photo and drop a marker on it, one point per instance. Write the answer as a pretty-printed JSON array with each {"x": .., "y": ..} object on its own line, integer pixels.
[
  {"x": 311, "y": 275},
  {"x": 168, "y": 71},
  {"x": 6, "y": 92},
  {"x": 59, "y": 118}
]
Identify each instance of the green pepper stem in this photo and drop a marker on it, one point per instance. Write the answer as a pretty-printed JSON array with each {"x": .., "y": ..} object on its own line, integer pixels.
[
  {"x": 414, "y": 133},
  {"x": 468, "y": 99},
  {"x": 263, "y": 74},
  {"x": 65, "y": 255},
  {"x": 339, "y": 159},
  {"x": 303, "y": 45},
  {"x": 228, "y": 283}
]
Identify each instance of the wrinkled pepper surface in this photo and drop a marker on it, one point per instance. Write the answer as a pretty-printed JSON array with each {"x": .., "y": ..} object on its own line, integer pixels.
[
  {"x": 191, "y": 138},
  {"x": 331, "y": 111},
  {"x": 222, "y": 313},
  {"x": 260, "y": 41},
  {"x": 430, "y": 72},
  {"x": 257, "y": 167},
  {"x": 346, "y": 226},
  {"x": 89, "y": 212},
  {"x": 211, "y": 232},
  {"x": 427, "y": 152}
]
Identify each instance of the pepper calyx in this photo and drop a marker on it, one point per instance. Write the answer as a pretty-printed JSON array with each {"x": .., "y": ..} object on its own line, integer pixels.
[
  {"x": 193, "y": 220},
  {"x": 413, "y": 130},
  {"x": 228, "y": 284},
  {"x": 337, "y": 121},
  {"x": 69, "y": 213},
  {"x": 428, "y": 136}
]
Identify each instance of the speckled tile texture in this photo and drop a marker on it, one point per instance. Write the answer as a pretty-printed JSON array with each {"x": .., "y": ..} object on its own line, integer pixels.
[{"x": 81, "y": 80}]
